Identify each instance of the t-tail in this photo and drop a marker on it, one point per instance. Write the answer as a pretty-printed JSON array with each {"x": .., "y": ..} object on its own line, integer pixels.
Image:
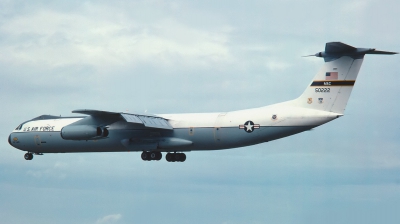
[{"x": 331, "y": 87}]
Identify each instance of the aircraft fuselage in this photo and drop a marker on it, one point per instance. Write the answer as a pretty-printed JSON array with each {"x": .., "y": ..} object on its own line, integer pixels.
[{"x": 195, "y": 131}]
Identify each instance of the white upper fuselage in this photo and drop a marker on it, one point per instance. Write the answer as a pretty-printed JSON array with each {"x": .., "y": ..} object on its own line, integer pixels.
[{"x": 273, "y": 115}]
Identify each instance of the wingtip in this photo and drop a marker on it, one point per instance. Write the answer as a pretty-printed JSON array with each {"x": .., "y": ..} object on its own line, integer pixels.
[
  {"x": 77, "y": 111},
  {"x": 382, "y": 52}
]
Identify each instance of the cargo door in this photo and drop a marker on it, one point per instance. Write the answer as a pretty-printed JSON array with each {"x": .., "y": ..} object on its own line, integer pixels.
[{"x": 218, "y": 128}]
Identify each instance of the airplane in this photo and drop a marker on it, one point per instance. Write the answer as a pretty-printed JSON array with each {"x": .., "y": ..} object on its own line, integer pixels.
[{"x": 322, "y": 101}]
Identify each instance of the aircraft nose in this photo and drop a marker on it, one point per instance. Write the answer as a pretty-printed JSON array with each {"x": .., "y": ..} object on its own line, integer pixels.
[{"x": 9, "y": 139}]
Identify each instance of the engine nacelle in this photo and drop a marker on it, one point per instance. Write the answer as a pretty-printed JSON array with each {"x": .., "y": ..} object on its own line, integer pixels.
[{"x": 83, "y": 132}]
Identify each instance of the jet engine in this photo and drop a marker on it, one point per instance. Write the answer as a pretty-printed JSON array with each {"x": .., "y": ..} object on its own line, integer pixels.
[{"x": 83, "y": 132}]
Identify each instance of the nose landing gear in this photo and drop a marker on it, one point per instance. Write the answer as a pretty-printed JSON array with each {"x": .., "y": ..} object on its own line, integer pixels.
[{"x": 28, "y": 156}]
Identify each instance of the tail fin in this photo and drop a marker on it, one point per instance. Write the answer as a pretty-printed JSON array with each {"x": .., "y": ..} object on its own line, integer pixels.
[{"x": 331, "y": 87}]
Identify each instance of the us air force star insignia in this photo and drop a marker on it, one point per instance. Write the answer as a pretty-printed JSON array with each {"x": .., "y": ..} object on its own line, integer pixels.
[{"x": 249, "y": 126}]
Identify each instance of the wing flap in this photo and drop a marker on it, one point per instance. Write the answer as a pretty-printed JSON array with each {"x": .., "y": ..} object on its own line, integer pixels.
[{"x": 148, "y": 121}]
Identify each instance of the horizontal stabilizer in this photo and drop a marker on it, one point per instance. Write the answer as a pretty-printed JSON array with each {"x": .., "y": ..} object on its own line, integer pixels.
[
  {"x": 335, "y": 50},
  {"x": 381, "y": 52}
]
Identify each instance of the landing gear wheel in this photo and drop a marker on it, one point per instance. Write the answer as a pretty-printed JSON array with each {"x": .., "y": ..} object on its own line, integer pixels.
[
  {"x": 170, "y": 157},
  {"x": 178, "y": 157},
  {"x": 175, "y": 157},
  {"x": 153, "y": 155},
  {"x": 183, "y": 157},
  {"x": 145, "y": 156},
  {"x": 28, "y": 156},
  {"x": 159, "y": 156}
]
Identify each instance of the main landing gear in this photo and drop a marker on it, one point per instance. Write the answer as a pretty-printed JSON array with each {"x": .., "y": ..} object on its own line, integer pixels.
[
  {"x": 175, "y": 157},
  {"x": 147, "y": 156},
  {"x": 170, "y": 157}
]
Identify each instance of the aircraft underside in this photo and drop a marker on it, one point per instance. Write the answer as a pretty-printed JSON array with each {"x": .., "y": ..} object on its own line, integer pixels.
[{"x": 215, "y": 138}]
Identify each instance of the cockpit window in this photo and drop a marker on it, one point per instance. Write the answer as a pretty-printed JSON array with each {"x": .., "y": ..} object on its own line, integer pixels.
[{"x": 19, "y": 127}]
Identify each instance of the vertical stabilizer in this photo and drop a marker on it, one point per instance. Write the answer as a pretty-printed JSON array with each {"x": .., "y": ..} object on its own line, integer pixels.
[{"x": 331, "y": 87}]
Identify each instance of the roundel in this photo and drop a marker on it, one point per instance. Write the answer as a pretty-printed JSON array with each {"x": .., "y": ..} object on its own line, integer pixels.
[{"x": 249, "y": 126}]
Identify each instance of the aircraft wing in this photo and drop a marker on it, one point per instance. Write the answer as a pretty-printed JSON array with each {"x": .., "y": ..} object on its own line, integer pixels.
[{"x": 103, "y": 117}]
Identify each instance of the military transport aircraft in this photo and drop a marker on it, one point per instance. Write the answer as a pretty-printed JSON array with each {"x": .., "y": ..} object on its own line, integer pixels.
[{"x": 101, "y": 131}]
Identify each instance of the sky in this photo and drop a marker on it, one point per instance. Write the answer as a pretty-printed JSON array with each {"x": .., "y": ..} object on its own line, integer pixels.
[{"x": 161, "y": 57}]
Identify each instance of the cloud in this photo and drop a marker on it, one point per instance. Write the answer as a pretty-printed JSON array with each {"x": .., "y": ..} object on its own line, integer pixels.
[
  {"x": 54, "y": 38},
  {"x": 58, "y": 171},
  {"x": 274, "y": 65},
  {"x": 109, "y": 219},
  {"x": 198, "y": 57}
]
